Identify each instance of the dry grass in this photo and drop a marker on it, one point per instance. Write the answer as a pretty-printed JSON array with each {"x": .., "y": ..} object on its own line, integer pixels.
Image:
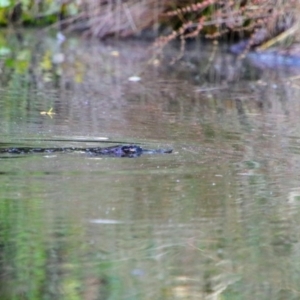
[
  {"x": 261, "y": 20},
  {"x": 117, "y": 17}
]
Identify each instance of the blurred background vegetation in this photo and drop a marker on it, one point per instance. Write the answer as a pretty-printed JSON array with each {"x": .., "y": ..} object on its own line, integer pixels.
[{"x": 262, "y": 19}]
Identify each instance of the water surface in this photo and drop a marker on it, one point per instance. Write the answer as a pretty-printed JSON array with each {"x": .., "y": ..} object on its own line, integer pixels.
[{"x": 217, "y": 219}]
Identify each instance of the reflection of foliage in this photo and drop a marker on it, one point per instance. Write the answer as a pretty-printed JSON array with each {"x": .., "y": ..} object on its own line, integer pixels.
[
  {"x": 44, "y": 256},
  {"x": 23, "y": 250},
  {"x": 15, "y": 63},
  {"x": 40, "y": 63},
  {"x": 28, "y": 65}
]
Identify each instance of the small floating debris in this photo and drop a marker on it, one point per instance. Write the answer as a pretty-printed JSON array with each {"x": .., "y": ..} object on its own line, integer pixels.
[
  {"x": 105, "y": 221},
  {"x": 101, "y": 138},
  {"x": 48, "y": 113},
  {"x": 156, "y": 62},
  {"x": 60, "y": 37},
  {"x": 115, "y": 53},
  {"x": 58, "y": 58},
  {"x": 134, "y": 78}
]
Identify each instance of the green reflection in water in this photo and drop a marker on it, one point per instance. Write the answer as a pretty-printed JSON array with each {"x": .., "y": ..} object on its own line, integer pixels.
[
  {"x": 23, "y": 248},
  {"x": 43, "y": 258}
]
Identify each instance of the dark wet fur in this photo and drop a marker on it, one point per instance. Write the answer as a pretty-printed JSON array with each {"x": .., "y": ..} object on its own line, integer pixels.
[{"x": 117, "y": 151}]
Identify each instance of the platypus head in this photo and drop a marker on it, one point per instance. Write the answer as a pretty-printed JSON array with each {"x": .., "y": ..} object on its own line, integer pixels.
[{"x": 129, "y": 151}]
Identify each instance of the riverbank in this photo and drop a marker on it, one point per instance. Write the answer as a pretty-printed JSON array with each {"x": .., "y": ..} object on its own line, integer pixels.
[{"x": 170, "y": 19}]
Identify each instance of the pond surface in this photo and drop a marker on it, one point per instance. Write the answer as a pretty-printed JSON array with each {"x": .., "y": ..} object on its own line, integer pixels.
[{"x": 218, "y": 218}]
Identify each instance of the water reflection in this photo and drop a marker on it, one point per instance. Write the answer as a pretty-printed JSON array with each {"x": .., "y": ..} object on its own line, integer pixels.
[{"x": 216, "y": 219}]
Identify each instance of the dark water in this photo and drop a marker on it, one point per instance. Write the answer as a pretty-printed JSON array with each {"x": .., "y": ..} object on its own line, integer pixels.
[{"x": 217, "y": 219}]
